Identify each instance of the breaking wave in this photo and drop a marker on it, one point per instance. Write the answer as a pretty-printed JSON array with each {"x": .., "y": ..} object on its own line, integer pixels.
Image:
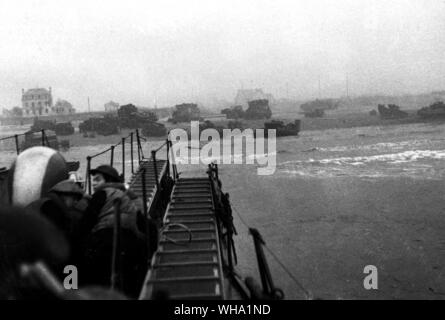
[
  {"x": 377, "y": 146},
  {"x": 412, "y": 163}
]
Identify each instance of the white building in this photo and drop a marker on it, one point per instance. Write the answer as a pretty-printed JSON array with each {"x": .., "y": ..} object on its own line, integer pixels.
[
  {"x": 37, "y": 102},
  {"x": 111, "y": 106},
  {"x": 63, "y": 107},
  {"x": 244, "y": 96}
]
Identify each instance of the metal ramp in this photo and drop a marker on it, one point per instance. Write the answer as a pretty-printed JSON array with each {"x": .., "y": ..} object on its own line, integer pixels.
[
  {"x": 187, "y": 264},
  {"x": 151, "y": 187}
]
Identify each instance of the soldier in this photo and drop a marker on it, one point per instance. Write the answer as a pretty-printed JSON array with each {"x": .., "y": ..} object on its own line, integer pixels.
[
  {"x": 64, "y": 205},
  {"x": 100, "y": 219}
]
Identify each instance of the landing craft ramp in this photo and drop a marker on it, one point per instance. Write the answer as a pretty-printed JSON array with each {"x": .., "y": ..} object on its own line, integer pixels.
[{"x": 187, "y": 264}]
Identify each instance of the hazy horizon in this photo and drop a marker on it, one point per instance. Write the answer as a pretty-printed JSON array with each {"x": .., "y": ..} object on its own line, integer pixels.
[{"x": 171, "y": 52}]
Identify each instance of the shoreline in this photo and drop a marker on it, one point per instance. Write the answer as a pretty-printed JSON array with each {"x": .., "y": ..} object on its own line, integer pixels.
[{"x": 329, "y": 122}]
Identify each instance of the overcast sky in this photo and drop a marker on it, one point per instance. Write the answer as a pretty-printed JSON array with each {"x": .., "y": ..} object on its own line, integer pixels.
[{"x": 178, "y": 51}]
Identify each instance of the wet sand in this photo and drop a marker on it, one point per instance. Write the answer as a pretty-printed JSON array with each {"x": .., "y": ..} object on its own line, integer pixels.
[{"x": 326, "y": 232}]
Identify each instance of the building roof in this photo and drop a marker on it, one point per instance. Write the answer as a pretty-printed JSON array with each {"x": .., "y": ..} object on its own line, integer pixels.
[
  {"x": 112, "y": 103},
  {"x": 37, "y": 91},
  {"x": 245, "y": 95},
  {"x": 63, "y": 104}
]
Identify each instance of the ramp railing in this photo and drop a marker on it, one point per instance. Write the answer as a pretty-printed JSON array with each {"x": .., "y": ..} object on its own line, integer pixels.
[
  {"x": 15, "y": 137},
  {"x": 130, "y": 140}
]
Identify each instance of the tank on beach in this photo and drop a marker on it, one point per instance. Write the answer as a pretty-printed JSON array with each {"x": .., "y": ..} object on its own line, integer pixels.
[
  {"x": 131, "y": 118},
  {"x": 64, "y": 129},
  {"x": 39, "y": 125},
  {"x": 185, "y": 112},
  {"x": 317, "y": 107},
  {"x": 258, "y": 109},
  {"x": 102, "y": 126},
  {"x": 391, "y": 111},
  {"x": 283, "y": 130}
]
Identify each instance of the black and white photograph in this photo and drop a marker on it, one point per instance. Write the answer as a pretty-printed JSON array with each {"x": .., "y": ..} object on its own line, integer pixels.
[{"x": 253, "y": 151}]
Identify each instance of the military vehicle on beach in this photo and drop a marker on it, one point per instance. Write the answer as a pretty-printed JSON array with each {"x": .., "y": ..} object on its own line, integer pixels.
[
  {"x": 258, "y": 109},
  {"x": 318, "y": 107},
  {"x": 103, "y": 126},
  {"x": 38, "y": 138},
  {"x": 39, "y": 125},
  {"x": 130, "y": 117},
  {"x": 283, "y": 130},
  {"x": 433, "y": 111},
  {"x": 64, "y": 129},
  {"x": 235, "y": 112},
  {"x": 185, "y": 112},
  {"x": 392, "y": 111}
]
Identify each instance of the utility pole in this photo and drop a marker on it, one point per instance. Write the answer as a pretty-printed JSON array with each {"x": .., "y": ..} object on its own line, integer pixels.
[{"x": 89, "y": 108}]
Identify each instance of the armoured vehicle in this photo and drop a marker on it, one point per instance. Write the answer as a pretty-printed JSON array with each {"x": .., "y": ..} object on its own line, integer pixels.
[
  {"x": 392, "y": 111},
  {"x": 258, "y": 109},
  {"x": 317, "y": 107},
  {"x": 64, "y": 129},
  {"x": 283, "y": 130},
  {"x": 185, "y": 112},
  {"x": 434, "y": 111},
  {"x": 102, "y": 126}
]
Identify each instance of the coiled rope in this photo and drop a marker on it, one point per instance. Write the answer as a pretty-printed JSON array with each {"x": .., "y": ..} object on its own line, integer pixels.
[{"x": 177, "y": 242}]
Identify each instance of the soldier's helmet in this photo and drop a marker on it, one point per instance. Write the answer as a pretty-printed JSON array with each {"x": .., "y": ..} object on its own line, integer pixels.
[{"x": 34, "y": 172}]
